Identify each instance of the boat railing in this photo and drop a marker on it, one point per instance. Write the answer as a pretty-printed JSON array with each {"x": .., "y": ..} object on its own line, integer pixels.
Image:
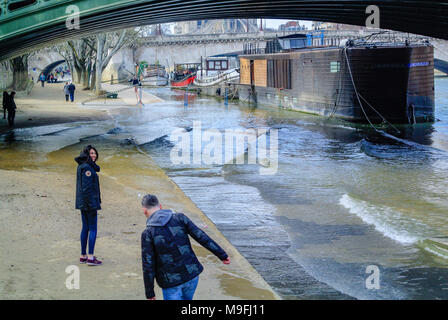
[
  {"x": 186, "y": 77},
  {"x": 225, "y": 76}
]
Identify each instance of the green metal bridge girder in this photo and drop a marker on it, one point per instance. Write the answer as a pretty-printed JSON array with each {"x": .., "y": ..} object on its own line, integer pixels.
[
  {"x": 26, "y": 25},
  {"x": 44, "y": 13}
]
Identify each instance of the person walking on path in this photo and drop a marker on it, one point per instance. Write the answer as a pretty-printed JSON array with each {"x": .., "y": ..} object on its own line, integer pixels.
[
  {"x": 88, "y": 200},
  {"x": 42, "y": 79},
  {"x": 167, "y": 255},
  {"x": 71, "y": 91},
  {"x": 5, "y": 103},
  {"x": 11, "y": 107},
  {"x": 66, "y": 92}
]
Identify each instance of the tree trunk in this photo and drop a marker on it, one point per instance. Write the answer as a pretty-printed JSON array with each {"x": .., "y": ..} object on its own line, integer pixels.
[
  {"x": 20, "y": 72},
  {"x": 101, "y": 41}
]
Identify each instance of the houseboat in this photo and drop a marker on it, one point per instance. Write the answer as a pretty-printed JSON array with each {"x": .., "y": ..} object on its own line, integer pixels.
[{"x": 359, "y": 81}]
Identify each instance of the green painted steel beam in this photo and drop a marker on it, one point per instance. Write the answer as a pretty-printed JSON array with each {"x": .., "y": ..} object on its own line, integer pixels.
[
  {"x": 46, "y": 13},
  {"x": 43, "y": 22}
]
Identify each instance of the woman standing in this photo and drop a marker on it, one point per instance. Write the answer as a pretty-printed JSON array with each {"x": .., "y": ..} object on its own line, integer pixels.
[
  {"x": 5, "y": 103},
  {"x": 88, "y": 200},
  {"x": 11, "y": 107},
  {"x": 66, "y": 92}
]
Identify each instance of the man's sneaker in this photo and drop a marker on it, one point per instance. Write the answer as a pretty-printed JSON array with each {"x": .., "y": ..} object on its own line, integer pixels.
[
  {"x": 94, "y": 262},
  {"x": 83, "y": 260}
]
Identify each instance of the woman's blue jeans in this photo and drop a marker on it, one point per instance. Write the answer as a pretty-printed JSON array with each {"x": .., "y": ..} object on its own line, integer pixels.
[
  {"x": 184, "y": 291},
  {"x": 88, "y": 232}
]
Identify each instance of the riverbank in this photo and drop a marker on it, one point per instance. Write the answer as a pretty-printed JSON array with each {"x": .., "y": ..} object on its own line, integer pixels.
[{"x": 40, "y": 234}]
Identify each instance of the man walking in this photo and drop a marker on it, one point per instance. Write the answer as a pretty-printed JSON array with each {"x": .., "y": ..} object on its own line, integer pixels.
[
  {"x": 167, "y": 255},
  {"x": 71, "y": 91}
]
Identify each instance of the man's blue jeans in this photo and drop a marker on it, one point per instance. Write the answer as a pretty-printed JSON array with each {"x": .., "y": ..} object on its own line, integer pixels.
[{"x": 184, "y": 291}]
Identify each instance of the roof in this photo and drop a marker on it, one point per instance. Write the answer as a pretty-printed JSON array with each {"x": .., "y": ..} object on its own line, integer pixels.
[{"x": 294, "y": 36}]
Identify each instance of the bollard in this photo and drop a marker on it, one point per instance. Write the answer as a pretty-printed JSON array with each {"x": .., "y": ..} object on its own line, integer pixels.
[
  {"x": 186, "y": 98},
  {"x": 226, "y": 97}
]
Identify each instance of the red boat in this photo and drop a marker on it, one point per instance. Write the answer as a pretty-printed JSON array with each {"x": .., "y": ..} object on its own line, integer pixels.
[
  {"x": 184, "y": 74},
  {"x": 183, "y": 82}
]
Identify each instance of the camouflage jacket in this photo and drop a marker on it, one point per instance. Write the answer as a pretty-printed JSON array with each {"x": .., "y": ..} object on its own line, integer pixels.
[{"x": 167, "y": 255}]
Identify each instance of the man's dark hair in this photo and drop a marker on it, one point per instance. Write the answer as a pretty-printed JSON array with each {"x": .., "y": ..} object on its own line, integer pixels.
[{"x": 150, "y": 201}]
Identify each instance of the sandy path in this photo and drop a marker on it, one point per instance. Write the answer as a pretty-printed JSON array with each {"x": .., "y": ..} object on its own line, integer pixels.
[{"x": 46, "y": 106}]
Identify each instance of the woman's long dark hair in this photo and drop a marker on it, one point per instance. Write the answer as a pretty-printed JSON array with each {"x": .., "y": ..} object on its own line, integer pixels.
[{"x": 87, "y": 149}]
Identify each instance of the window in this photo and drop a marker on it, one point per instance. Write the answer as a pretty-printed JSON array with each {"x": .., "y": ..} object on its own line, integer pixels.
[
  {"x": 335, "y": 66},
  {"x": 211, "y": 65}
]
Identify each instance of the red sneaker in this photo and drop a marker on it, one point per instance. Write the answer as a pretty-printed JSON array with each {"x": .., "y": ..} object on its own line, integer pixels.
[
  {"x": 82, "y": 260},
  {"x": 94, "y": 262}
]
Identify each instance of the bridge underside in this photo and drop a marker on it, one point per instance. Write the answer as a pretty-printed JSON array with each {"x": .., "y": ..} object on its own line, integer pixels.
[{"x": 42, "y": 23}]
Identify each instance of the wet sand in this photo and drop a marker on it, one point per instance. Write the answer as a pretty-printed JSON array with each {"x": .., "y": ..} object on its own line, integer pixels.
[
  {"x": 40, "y": 227},
  {"x": 46, "y": 106}
]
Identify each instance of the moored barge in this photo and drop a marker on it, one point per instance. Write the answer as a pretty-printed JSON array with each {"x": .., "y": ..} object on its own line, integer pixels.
[{"x": 359, "y": 82}]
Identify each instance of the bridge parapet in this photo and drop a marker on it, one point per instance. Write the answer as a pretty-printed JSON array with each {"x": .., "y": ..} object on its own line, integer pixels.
[{"x": 330, "y": 37}]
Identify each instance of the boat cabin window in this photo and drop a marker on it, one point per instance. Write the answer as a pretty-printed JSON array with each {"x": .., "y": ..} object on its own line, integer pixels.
[
  {"x": 335, "y": 66},
  {"x": 217, "y": 65}
]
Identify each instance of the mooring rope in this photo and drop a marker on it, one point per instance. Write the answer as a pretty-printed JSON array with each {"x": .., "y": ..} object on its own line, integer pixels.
[{"x": 359, "y": 100}]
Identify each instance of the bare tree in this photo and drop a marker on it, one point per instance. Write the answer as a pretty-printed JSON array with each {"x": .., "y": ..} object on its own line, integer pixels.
[
  {"x": 82, "y": 53},
  {"x": 107, "y": 45}
]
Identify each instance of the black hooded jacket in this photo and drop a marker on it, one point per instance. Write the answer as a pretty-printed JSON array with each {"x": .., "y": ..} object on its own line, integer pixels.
[{"x": 88, "y": 196}]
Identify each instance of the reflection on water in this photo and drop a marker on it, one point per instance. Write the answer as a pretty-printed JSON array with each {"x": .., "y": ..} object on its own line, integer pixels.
[{"x": 345, "y": 196}]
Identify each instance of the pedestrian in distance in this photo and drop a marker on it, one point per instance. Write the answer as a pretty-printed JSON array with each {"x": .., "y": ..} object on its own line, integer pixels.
[
  {"x": 11, "y": 107},
  {"x": 88, "y": 200},
  {"x": 71, "y": 91},
  {"x": 42, "y": 79},
  {"x": 5, "y": 103},
  {"x": 167, "y": 255},
  {"x": 66, "y": 92}
]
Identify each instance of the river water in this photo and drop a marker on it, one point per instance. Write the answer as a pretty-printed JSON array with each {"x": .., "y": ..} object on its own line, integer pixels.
[{"x": 344, "y": 198}]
